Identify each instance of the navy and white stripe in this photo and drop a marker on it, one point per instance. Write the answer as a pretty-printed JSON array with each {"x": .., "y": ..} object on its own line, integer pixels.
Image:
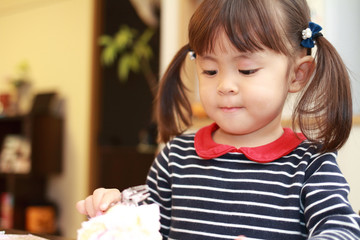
[{"x": 300, "y": 196}]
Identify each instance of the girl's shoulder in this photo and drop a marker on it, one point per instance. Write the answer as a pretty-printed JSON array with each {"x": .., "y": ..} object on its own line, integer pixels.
[
  {"x": 310, "y": 152},
  {"x": 311, "y": 149},
  {"x": 183, "y": 139},
  {"x": 180, "y": 147},
  {"x": 180, "y": 142}
]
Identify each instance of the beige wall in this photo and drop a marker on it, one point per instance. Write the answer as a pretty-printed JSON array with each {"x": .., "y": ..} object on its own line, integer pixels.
[
  {"x": 349, "y": 161},
  {"x": 54, "y": 36}
]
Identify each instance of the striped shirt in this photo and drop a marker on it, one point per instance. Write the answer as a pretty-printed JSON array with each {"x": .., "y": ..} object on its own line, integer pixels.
[{"x": 300, "y": 195}]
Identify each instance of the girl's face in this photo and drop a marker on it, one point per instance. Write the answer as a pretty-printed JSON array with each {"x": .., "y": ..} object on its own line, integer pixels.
[{"x": 244, "y": 93}]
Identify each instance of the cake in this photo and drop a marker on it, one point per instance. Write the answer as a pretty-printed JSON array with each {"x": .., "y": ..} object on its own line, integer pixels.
[{"x": 123, "y": 222}]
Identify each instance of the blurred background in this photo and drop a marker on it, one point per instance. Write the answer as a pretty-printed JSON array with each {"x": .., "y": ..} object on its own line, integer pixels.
[{"x": 77, "y": 80}]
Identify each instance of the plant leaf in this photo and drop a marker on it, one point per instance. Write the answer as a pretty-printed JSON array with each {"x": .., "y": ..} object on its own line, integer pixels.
[
  {"x": 147, "y": 35},
  {"x": 133, "y": 50},
  {"x": 105, "y": 40},
  {"x": 134, "y": 63},
  {"x": 124, "y": 65},
  {"x": 143, "y": 51},
  {"x": 124, "y": 37},
  {"x": 109, "y": 54}
]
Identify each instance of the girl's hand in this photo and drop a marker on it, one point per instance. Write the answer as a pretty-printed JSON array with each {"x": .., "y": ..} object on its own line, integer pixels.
[
  {"x": 241, "y": 237},
  {"x": 99, "y": 202}
]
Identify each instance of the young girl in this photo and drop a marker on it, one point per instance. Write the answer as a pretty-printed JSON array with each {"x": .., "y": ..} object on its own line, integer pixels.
[{"x": 246, "y": 174}]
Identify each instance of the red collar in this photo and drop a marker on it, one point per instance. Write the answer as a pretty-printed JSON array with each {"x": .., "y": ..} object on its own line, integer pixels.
[{"x": 206, "y": 148}]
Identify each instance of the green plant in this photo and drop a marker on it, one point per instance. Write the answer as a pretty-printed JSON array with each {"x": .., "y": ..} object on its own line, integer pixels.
[
  {"x": 132, "y": 52},
  {"x": 21, "y": 77}
]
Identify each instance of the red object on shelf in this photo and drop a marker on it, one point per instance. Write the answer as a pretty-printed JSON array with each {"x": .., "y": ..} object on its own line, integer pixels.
[
  {"x": 4, "y": 102},
  {"x": 7, "y": 211}
]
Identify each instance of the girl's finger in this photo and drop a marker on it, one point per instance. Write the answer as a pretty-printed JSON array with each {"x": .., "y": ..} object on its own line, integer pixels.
[
  {"x": 89, "y": 206},
  {"x": 98, "y": 199},
  {"x": 80, "y": 206},
  {"x": 110, "y": 197}
]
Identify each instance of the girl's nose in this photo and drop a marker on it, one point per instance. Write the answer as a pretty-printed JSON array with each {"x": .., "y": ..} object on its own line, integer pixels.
[{"x": 227, "y": 86}]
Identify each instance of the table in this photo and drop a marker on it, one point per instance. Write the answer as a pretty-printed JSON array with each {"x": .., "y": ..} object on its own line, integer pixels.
[{"x": 50, "y": 237}]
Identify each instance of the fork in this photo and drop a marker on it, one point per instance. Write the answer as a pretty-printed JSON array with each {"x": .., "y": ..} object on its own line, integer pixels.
[
  {"x": 132, "y": 196},
  {"x": 135, "y": 195}
]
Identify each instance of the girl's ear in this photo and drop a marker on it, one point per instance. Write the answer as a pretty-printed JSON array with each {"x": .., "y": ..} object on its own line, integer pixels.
[{"x": 304, "y": 68}]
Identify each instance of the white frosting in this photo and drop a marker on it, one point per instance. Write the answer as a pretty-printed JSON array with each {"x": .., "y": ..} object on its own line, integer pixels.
[{"x": 123, "y": 223}]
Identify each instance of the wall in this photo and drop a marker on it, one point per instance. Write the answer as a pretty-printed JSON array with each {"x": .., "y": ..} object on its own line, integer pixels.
[
  {"x": 169, "y": 35},
  {"x": 55, "y": 36},
  {"x": 350, "y": 164},
  {"x": 341, "y": 29}
]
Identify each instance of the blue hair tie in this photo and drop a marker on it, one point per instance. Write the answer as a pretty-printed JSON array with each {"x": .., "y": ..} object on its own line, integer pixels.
[
  {"x": 192, "y": 55},
  {"x": 310, "y": 34}
]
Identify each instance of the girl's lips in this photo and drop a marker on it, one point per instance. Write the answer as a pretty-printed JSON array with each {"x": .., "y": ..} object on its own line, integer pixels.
[{"x": 229, "y": 109}]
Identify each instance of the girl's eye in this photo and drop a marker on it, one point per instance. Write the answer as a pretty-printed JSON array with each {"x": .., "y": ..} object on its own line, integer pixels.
[
  {"x": 248, "y": 72},
  {"x": 210, "y": 72}
]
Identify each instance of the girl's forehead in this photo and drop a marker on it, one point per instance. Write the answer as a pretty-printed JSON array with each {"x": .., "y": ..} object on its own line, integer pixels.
[{"x": 221, "y": 43}]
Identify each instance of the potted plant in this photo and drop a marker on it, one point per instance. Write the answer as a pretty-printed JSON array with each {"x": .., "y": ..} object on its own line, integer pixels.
[{"x": 132, "y": 52}]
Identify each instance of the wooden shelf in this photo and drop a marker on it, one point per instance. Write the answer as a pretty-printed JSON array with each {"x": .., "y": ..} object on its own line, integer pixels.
[{"x": 44, "y": 132}]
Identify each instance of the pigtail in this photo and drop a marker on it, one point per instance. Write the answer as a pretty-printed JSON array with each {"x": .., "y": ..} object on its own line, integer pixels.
[
  {"x": 173, "y": 109},
  {"x": 324, "y": 111}
]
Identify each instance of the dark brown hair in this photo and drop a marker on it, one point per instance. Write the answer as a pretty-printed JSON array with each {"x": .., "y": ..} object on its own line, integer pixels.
[{"x": 324, "y": 109}]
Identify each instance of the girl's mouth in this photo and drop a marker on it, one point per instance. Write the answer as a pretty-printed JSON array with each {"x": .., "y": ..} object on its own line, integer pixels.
[{"x": 230, "y": 109}]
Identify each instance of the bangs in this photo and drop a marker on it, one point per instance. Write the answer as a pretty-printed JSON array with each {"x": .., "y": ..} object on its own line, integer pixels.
[{"x": 251, "y": 25}]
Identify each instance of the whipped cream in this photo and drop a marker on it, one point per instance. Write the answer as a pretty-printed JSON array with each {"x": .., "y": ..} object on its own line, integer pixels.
[{"x": 122, "y": 222}]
